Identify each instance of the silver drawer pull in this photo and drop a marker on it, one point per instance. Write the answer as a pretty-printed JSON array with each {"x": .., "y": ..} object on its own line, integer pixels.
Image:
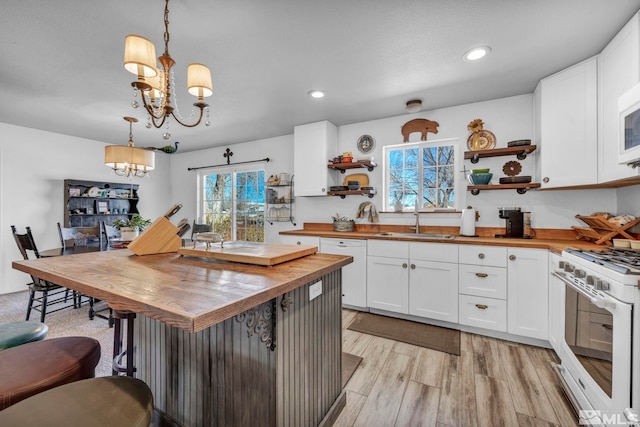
[
  {"x": 481, "y": 256},
  {"x": 482, "y": 306},
  {"x": 482, "y": 275}
]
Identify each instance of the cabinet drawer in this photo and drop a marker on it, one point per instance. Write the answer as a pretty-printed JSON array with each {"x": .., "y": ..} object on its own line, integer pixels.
[
  {"x": 440, "y": 252},
  {"x": 487, "y": 313},
  {"x": 483, "y": 281},
  {"x": 483, "y": 255},
  {"x": 387, "y": 248}
]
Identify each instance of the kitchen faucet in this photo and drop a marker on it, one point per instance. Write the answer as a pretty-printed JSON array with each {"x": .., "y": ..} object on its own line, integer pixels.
[{"x": 417, "y": 226}]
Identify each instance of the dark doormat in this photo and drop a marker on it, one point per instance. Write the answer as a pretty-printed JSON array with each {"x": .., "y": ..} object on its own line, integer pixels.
[
  {"x": 429, "y": 336},
  {"x": 350, "y": 363}
]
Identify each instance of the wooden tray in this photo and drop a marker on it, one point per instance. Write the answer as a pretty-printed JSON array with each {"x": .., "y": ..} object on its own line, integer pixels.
[
  {"x": 257, "y": 253},
  {"x": 602, "y": 231}
]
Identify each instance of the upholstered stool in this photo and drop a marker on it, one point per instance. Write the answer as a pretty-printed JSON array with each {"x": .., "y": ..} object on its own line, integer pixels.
[
  {"x": 16, "y": 333},
  {"x": 106, "y": 401},
  {"x": 32, "y": 368}
]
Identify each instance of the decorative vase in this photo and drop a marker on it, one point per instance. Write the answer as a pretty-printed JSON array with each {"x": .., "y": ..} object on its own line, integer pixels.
[
  {"x": 129, "y": 233},
  {"x": 398, "y": 206}
]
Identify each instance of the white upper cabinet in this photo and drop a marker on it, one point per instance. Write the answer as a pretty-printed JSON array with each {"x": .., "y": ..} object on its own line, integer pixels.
[
  {"x": 618, "y": 71},
  {"x": 566, "y": 126},
  {"x": 313, "y": 145}
]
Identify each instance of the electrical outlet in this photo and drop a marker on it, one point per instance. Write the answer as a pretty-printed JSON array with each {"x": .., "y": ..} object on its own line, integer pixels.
[{"x": 315, "y": 290}]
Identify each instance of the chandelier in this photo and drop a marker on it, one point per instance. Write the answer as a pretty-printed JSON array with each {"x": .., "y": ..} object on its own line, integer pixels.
[
  {"x": 129, "y": 161},
  {"x": 156, "y": 85}
]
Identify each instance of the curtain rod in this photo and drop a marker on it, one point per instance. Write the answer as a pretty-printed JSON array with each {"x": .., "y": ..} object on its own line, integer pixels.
[{"x": 266, "y": 159}]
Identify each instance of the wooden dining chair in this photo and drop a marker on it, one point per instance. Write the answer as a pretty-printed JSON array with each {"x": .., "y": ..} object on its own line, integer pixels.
[
  {"x": 45, "y": 297},
  {"x": 70, "y": 235}
]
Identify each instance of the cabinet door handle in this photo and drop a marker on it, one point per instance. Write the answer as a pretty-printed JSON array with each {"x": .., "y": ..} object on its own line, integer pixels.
[
  {"x": 512, "y": 257},
  {"x": 481, "y": 256},
  {"x": 413, "y": 266},
  {"x": 482, "y": 274},
  {"x": 545, "y": 179},
  {"x": 404, "y": 265},
  {"x": 609, "y": 327},
  {"x": 482, "y": 306}
]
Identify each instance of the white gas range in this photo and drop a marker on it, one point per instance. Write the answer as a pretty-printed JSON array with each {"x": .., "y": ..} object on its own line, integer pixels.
[{"x": 598, "y": 339}]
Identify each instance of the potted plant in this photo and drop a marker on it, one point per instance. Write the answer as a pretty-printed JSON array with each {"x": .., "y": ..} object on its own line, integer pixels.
[{"x": 131, "y": 227}]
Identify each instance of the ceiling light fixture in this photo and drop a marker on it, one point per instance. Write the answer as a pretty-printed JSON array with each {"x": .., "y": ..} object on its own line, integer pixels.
[
  {"x": 414, "y": 105},
  {"x": 129, "y": 161},
  {"x": 316, "y": 94},
  {"x": 476, "y": 53},
  {"x": 155, "y": 85}
]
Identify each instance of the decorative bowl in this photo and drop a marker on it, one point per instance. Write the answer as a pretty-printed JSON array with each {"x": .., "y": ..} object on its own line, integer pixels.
[
  {"x": 353, "y": 185},
  {"x": 480, "y": 178},
  {"x": 485, "y": 170}
]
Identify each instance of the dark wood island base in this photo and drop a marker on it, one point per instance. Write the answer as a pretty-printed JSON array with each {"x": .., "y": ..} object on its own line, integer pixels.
[{"x": 277, "y": 364}]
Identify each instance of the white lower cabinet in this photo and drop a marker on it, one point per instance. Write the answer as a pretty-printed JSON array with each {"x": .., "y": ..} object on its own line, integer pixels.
[
  {"x": 388, "y": 275},
  {"x": 414, "y": 278},
  {"x": 487, "y": 313},
  {"x": 528, "y": 292},
  {"x": 483, "y": 287},
  {"x": 433, "y": 281}
]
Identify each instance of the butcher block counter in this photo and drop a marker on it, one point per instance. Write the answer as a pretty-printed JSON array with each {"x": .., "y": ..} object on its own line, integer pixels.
[
  {"x": 223, "y": 343},
  {"x": 555, "y": 240}
]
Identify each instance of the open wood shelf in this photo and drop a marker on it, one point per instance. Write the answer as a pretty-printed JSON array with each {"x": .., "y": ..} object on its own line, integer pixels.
[
  {"x": 520, "y": 188},
  {"x": 353, "y": 165},
  {"x": 342, "y": 194},
  {"x": 520, "y": 152}
]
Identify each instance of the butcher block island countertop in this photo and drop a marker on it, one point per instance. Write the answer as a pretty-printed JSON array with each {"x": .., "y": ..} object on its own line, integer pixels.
[
  {"x": 186, "y": 292},
  {"x": 223, "y": 343}
]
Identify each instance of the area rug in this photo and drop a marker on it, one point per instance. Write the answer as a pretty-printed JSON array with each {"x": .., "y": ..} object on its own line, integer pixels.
[
  {"x": 350, "y": 363},
  {"x": 428, "y": 336}
]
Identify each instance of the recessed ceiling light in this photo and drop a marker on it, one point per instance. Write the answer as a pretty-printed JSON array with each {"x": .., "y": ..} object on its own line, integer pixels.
[
  {"x": 316, "y": 93},
  {"x": 476, "y": 53},
  {"x": 414, "y": 105}
]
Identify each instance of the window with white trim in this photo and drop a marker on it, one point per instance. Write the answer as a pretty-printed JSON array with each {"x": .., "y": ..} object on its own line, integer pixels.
[
  {"x": 421, "y": 176},
  {"x": 231, "y": 199}
]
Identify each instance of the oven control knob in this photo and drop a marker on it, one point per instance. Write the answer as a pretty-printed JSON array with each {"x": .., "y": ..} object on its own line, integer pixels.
[
  {"x": 580, "y": 274},
  {"x": 590, "y": 280},
  {"x": 568, "y": 267},
  {"x": 561, "y": 264},
  {"x": 601, "y": 285}
]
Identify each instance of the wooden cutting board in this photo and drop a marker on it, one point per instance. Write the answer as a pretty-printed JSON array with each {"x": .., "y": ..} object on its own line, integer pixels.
[{"x": 257, "y": 253}]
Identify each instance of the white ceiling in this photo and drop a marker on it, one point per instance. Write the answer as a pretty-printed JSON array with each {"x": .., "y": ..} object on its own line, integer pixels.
[{"x": 62, "y": 60}]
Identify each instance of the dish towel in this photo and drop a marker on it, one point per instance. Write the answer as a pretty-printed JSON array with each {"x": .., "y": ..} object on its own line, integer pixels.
[{"x": 368, "y": 207}]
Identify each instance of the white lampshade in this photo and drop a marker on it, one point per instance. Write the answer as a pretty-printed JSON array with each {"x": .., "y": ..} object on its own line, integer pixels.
[
  {"x": 140, "y": 56},
  {"x": 125, "y": 157},
  {"x": 199, "y": 80}
]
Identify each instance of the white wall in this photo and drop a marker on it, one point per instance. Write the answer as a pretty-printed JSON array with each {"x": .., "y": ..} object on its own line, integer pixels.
[{"x": 33, "y": 166}]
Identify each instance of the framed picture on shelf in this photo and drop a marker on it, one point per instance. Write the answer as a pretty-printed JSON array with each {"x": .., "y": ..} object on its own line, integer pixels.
[
  {"x": 102, "y": 206},
  {"x": 74, "y": 192}
]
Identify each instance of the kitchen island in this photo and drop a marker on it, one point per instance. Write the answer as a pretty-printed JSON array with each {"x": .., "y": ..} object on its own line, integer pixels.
[{"x": 223, "y": 343}]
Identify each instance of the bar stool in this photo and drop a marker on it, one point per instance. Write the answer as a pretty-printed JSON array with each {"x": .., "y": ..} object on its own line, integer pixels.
[
  {"x": 118, "y": 351},
  {"x": 105, "y": 401},
  {"x": 31, "y": 368},
  {"x": 13, "y": 334}
]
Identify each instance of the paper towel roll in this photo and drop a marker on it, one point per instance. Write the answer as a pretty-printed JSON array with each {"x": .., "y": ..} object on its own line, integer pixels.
[{"x": 468, "y": 222}]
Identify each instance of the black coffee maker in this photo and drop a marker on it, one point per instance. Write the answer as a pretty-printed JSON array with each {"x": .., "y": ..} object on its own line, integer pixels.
[{"x": 514, "y": 223}]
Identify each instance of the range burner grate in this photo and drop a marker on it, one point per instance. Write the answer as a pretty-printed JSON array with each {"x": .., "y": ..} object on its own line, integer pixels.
[{"x": 625, "y": 261}]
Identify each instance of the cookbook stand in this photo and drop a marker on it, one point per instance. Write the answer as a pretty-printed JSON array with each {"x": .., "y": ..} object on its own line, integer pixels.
[
  {"x": 159, "y": 238},
  {"x": 601, "y": 230}
]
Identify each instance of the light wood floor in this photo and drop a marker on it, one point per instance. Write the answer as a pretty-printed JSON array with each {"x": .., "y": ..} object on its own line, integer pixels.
[{"x": 492, "y": 383}]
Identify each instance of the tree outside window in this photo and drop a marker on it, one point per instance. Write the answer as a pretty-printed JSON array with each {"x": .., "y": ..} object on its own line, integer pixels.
[{"x": 420, "y": 176}]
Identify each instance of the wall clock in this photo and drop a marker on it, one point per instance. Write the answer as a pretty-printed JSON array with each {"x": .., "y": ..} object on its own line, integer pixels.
[{"x": 365, "y": 144}]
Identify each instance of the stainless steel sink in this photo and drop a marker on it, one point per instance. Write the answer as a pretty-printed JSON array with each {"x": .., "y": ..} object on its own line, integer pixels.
[{"x": 418, "y": 235}]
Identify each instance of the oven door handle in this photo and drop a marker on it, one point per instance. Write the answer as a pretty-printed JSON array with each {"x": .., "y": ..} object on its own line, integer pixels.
[{"x": 598, "y": 301}]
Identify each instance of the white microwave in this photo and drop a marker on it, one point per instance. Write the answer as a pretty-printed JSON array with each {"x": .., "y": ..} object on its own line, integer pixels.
[{"x": 629, "y": 133}]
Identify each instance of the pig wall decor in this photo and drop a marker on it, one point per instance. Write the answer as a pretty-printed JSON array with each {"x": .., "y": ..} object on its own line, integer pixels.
[{"x": 419, "y": 125}]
